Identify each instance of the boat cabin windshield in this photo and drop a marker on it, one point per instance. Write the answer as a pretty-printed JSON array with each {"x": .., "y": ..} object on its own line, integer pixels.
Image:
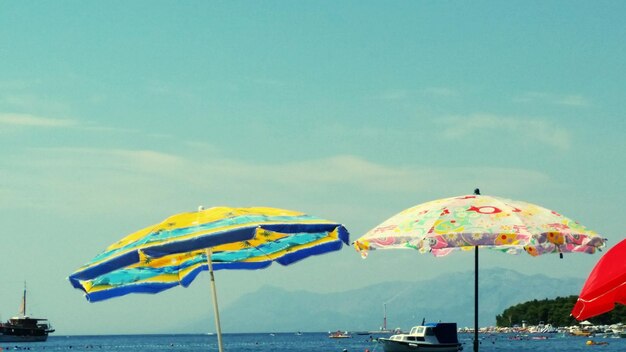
[
  {"x": 417, "y": 330},
  {"x": 423, "y": 331}
]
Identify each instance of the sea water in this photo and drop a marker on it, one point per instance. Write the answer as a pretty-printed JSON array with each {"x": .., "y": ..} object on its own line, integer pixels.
[{"x": 292, "y": 342}]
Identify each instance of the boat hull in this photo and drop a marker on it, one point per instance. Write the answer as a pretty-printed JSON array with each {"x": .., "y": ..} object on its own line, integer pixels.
[
  {"x": 16, "y": 333},
  {"x": 412, "y": 346},
  {"x": 23, "y": 338}
]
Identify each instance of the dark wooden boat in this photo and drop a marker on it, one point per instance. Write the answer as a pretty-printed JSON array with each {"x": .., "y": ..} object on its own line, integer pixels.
[{"x": 23, "y": 328}]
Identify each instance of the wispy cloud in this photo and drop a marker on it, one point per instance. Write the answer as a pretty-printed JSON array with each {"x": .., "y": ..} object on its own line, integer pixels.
[
  {"x": 516, "y": 127},
  {"x": 440, "y": 91},
  {"x": 14, "y": 100},
  {"x": 344, "y": 186},
  {"x": 403, "y": 94},
  {"x": 27, "y": 120},
  {"x": 572, "y": 100},
  {"x": 18, "y": 84},
  {"x": 393, "y": 95}
]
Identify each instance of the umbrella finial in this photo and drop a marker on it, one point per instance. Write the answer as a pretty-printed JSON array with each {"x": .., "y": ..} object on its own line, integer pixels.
[
  {"x": 200, "y": 207},
  {"x": 477, "y": 191}
]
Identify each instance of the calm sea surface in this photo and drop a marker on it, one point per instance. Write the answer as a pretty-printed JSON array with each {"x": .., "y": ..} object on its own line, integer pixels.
[{"x": 294, "y": 343}]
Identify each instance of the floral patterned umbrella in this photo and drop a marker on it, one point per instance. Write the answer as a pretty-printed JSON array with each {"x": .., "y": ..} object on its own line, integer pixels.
[{"x": 468, "y": 222}]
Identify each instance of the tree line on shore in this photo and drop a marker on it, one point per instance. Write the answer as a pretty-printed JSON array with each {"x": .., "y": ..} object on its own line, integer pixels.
[{"x": 554, "y": 311}]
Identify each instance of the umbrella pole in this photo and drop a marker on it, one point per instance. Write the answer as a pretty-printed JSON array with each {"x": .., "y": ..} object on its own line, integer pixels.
[
  {"x": 475, "y": 298},
  {"x": 214, "y": 296}
]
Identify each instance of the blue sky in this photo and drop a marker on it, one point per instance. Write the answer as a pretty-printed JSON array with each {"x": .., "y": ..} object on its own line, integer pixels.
[{"x": 114, "y": 115}]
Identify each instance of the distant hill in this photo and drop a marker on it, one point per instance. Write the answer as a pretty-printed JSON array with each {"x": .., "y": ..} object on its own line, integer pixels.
[
  {"x": 556, "y": 311},
  {"x": 446, "y": 298}
]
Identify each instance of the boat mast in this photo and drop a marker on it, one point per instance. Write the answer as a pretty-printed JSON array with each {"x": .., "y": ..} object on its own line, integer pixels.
[
  {"x": 385, "y": 317},
  {"x": 23, "y": 306}
]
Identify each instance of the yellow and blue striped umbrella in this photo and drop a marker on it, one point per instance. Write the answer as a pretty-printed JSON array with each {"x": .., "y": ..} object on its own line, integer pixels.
[{"x": 173, "y": 253}]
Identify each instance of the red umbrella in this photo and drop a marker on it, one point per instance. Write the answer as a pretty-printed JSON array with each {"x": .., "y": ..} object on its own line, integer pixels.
[{"x": 605, "y": 286}]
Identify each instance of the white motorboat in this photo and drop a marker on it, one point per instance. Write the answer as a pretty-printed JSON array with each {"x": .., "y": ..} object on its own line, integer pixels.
[{"x": 425, "y": 338}]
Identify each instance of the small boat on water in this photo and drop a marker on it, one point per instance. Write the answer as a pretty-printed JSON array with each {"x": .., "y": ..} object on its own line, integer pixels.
[
  {"x": 23, "y": 328},
  {"x": 580, "y": 332},
  {"x": 429, "y": 337},
  {"x": 339, "y": 335}
]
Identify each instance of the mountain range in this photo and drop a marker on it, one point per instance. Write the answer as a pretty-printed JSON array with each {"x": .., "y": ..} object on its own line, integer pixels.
[{"x": 444, "y": 298}]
